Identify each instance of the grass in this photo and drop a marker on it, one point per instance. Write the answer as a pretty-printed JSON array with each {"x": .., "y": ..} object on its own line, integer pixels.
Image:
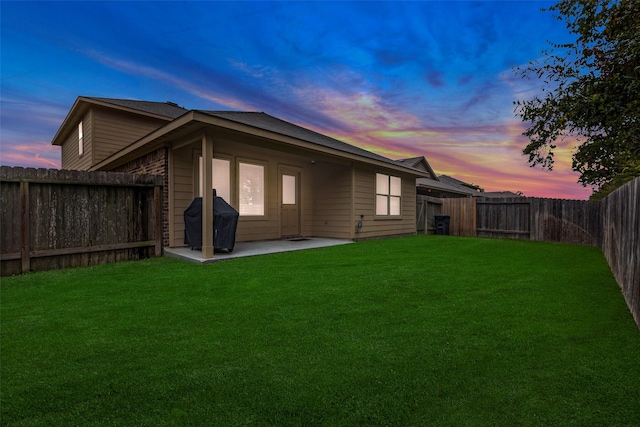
[{"x": 427, "y": 330}]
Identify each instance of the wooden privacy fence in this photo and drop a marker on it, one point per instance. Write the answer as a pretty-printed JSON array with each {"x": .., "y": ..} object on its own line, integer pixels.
[
  {"x": 462, "y": 212},
  {"x": 621, "y": 241},
  {"x": 555, "y": 220},
  {"x": 612, "y": 224},
  {"x": 58, "y": 218}
]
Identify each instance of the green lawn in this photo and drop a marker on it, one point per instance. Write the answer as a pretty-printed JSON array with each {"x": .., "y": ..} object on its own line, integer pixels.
[{"x": 426, "y": 330}]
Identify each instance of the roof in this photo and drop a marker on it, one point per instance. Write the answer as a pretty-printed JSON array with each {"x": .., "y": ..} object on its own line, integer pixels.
[
  {"x": 166, "y": 109},
  {"x": 177, "y": 117},
  {"x": 264, "y": 121},
  {"x": 461, "y": 184},
  {"x": 443, "y": 186},
  {"x": 419, "y": 163},
  {"x": 498, "y": 194},
  {"x": 448, "y": 183}
]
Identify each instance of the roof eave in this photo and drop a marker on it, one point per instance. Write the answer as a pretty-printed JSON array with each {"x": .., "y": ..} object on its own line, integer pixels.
[{"x": 207, "y": 119}]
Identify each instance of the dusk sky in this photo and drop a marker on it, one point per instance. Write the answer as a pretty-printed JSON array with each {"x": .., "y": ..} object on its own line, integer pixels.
[{"x": 402, "y": 79}]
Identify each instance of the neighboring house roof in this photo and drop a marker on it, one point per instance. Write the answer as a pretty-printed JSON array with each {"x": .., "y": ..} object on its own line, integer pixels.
[
  {"x": 497, "y": 194},
  {"x": 419, "y": 163},
  {"x": 460, "y": 184},
  {"x": 471, "y": 189},
  {"x": 427, "y": 183}
]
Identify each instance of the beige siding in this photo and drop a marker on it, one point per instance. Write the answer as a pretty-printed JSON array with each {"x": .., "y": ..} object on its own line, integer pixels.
[
  {"x": 249, "y": 229},
  {"x": 70, "y": 157},
  {"x": 332, "y": 201},
  {"x": 364, "y": 205},
  {"x": 182, "y": 185},
  {"x": 114, "y": 130},
  {"x": 333, "y": 193}
]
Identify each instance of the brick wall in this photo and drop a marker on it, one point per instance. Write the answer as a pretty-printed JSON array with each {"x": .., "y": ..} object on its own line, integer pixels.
[{"x": 154, "y": 163}]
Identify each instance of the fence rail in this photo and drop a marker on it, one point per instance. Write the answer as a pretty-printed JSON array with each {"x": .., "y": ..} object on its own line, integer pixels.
[
  {"x": 58, "y": 218},
  {"x": 612, "y": 224}
]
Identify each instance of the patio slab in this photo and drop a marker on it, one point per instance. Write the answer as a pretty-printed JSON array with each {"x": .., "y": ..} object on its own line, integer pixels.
[{"x": 245, "y": 249}]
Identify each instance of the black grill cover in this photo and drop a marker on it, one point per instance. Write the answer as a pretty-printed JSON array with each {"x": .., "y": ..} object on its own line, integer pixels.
[{"x": 225, "y": 222}]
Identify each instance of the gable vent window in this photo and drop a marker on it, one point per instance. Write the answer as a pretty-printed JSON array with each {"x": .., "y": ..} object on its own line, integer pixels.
[
  {"x": 80, "y": 140},
  {"x": 388, "y": 195}
]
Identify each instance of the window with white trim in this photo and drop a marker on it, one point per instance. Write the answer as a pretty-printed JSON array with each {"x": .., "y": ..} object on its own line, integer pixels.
[
  {"x": 221, "y": 178},
  {"x": 388, "y": 195},
  {"x": 250, "y": 189},
  {"x": 80, "y": 140}
]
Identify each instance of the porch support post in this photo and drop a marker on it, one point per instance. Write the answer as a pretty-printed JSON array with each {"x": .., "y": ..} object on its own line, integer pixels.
[{"x": 207, "y": 195}]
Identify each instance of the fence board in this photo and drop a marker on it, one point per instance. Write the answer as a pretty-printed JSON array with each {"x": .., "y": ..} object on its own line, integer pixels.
[
  {"x": 568, "y": 221},
  {"x": 503, "y": 217},
  {"x": 463, "y": 215},
  {"x": 74, "y": 218}
]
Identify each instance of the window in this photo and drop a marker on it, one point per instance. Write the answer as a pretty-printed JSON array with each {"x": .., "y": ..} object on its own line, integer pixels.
[
  {"x": 221, "y": 178},
  {"x": 388, "y": 192},
  {"x": 288, "y": 189},
  {"x": 250, "y": 189},
  {"x": 80, "y": 140}
]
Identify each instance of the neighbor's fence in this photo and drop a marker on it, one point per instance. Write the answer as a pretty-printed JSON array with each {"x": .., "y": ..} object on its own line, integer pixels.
[
  {"x": 58, "y": 218},
  {"x": 612, "y": 224},
  {"x": 463, "y": 215},
  {"x": 555, "y": 220}
]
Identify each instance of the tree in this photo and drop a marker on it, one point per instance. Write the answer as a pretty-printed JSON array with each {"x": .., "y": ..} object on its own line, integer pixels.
[{"x": 591, "y": 91}]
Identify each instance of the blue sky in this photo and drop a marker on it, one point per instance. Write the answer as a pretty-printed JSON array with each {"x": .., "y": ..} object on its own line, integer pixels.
[{"x": 402, "y": 79}]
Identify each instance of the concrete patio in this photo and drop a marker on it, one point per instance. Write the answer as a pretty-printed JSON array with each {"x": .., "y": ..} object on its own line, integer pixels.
[{"x": 245, "y": 249}]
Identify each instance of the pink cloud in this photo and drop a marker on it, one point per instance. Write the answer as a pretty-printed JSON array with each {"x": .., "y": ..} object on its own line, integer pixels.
[
  {"x": 36, "y": 154},
  {"x": 489, "y": 155}
]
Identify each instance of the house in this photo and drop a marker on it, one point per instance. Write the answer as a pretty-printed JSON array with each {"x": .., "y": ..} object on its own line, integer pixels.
[
  {"x": 432, "y": 185},
  {"x": 471, "y": 190},
  {"x": 285, "y": 180}
]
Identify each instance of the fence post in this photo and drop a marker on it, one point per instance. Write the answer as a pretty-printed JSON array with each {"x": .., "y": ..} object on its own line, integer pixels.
[
  {"x": 25, "y": 247},
  {"x": 157, "y": 207}
]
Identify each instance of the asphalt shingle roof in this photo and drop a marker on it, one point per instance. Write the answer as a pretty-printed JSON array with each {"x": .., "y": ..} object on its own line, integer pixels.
[
  {"x": 257, "y": 120},
  {"x": 165, "y": 109},
  {"x": 273, "y": 124}
]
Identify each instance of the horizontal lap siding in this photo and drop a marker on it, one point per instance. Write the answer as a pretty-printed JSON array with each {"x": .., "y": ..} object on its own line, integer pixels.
[
  {"x": 332, "y": 201},
  {"x": 114, "y": 130},
  {"x": 71, "y": 159},
  {"x": 364, "y": 205},
  {"x": 249, "y": 229},
  {"x": 182, "y": 185},
  {"x": 328, "y": 208}
]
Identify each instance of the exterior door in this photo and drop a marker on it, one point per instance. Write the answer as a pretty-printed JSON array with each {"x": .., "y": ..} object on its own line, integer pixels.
[{"x": 289, "y": 203}]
